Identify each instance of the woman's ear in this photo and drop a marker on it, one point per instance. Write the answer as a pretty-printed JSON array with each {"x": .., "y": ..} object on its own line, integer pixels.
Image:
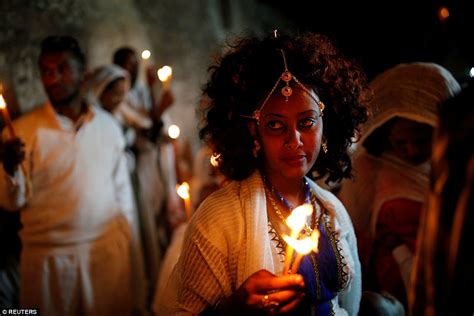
[{"x": 252, "y": 126}]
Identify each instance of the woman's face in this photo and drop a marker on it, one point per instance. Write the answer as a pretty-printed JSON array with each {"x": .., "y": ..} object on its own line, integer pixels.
[
  {"x": 410, "y": 140},
  {"x": 290, "y": 134},
  {"x": 114, "y": 95}
]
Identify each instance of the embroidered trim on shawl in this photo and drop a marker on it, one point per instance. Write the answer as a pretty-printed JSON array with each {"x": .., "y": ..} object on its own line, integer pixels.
[
  {"x": 342, "y": 275},
  {"x": 277, "y": 241}
]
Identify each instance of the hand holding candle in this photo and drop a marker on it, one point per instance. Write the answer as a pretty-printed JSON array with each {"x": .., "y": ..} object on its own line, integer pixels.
[
  {"x": 6, "y": 117},
  {"x": 15, "y": 153}
]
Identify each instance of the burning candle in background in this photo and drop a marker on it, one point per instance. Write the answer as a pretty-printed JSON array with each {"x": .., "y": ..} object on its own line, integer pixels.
[
  {"x": 174, "y": 131},
  {"x": 146, "y": 54},
  {"x": 214, "y": 160},
  {"x": 296, "y": 222},
  {"x": 183, "y": 192},
  {"x": 6, "y": 116},
  {"x": 165, "y": 74}
]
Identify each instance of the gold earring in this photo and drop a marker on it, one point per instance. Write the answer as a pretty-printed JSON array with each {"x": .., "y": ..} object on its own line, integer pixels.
[
  {"x": 256, "y": 148},
  {"x": 324, "y": 145}
]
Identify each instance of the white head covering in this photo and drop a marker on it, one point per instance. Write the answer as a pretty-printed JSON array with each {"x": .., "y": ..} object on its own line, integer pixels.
[
  {"x": 101, "y": 77},
  {"x": 99, "y": 80},
  {"x": 413, "y": 91}
]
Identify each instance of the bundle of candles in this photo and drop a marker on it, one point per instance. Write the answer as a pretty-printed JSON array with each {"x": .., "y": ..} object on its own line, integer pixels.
[{"x": 303, "y": 246}]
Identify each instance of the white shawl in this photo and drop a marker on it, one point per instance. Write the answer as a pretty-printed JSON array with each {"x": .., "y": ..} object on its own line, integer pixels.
[
  {"x": 124, "y": 113},
  {"x": 412, "y": 91},
  {"x": 227, "y": 240}
]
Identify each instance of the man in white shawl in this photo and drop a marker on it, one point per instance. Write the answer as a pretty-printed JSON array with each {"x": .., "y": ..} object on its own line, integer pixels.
[
  {"x": 391, "y": 170},
  {"x": 65, "y": 171},
  {"x": 267, "y": 101}
]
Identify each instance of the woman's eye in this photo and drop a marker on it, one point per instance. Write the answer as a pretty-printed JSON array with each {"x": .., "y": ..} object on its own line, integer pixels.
[
  {"x": 275, "y": 125},
  {"x": 308, "y": 122}
]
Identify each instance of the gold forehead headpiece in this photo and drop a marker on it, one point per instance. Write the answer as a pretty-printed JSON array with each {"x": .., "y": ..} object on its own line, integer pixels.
[{"x": 286, "y": 91}]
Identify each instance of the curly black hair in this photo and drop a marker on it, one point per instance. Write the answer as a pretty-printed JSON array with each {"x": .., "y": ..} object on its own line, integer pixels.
[{"x": 245, "y": 74}]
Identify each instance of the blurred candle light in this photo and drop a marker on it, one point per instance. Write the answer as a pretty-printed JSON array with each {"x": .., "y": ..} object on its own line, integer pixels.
[
  {"x": 174, "y": 131},
  {"x": 183, "y": 192},
  {"x": 215, "y": 159},
  {"x": 6, "y": 117},
  {"x": 471, "y": 72},
  {"x": 146, "y": 54},
  {"x": 443, "y": 14},
  {"x": 164, "y": 74}
]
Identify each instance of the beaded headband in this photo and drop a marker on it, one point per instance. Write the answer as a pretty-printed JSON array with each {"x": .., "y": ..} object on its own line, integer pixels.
[{"x": 286, "y": 91}]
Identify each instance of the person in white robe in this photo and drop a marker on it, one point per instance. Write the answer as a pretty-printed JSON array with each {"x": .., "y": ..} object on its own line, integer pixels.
[{"x": 65, "y": 171}]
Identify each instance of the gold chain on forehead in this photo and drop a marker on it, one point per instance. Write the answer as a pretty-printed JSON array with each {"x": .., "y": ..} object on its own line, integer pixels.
[{"x": 286, "y": 91}]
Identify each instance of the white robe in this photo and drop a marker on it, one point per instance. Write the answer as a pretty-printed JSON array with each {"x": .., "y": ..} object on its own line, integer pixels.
[{"x": 76, "y": 216}]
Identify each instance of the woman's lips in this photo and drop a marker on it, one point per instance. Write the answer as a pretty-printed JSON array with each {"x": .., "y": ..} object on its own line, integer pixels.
[{"x": 294, "y": 160}]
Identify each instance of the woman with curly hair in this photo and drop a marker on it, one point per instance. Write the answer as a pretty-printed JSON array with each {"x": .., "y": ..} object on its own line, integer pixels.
[{"x": 279, "y": 112}]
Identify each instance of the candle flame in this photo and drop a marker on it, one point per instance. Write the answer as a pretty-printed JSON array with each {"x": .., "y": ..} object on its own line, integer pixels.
[
  {"x": 443, "y": 14},
  {"x": 305, "y": 245},
  {"x": 183, "y": 190},
  {"x": 164, "y": 73},
  {"x": 215, "y": 159},
  {"x": 174, "y": 131},
  {"x": 297, "y": 218},
  {"x": 146, "y": 54},
  {"x": 3, "y": 104}
]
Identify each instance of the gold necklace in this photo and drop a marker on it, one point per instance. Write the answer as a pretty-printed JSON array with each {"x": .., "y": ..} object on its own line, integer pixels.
[{"x": 307, "y": 230}]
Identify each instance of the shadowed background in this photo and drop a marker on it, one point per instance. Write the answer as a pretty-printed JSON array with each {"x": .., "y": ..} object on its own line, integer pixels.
[{"x": 187, "y": 34}]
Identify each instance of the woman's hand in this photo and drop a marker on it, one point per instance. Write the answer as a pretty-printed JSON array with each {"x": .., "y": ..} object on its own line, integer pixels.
[
  {"x": 264, "y": 293},
  {"x": 12, "y": 154}
]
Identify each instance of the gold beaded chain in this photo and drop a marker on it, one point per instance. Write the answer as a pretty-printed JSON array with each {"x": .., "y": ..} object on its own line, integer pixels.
[{"x": 307, "y": 230}]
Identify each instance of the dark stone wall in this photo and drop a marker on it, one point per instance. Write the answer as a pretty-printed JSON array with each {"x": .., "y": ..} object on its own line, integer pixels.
[{"x": 180, "y": 33}]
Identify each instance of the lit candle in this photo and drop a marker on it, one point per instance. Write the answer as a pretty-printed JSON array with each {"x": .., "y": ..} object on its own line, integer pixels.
[
  {"x": 296, "y": 222},
  {"x": 9, "y": 125},
  {"x": 183, "y": 192},
  {"x": 165, "y": 74},
  {"x": 146, "y": 54},
  {"x": 215, "y": 160},
  {"x": 302, "y": 247},
  {"x": 174, "y": 131},
  {"x": 6, "y": 116}
]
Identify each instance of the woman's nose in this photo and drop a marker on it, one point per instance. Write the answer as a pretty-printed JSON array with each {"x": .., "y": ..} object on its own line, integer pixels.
[{"x": 293, "y": 140}]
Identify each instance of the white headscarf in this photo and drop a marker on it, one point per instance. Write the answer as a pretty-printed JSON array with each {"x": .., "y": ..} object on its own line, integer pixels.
[
  {"x": 96, "y": 85},
  {"x": 413, "y": 91},
  {"x": 102, "y": 77}
]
